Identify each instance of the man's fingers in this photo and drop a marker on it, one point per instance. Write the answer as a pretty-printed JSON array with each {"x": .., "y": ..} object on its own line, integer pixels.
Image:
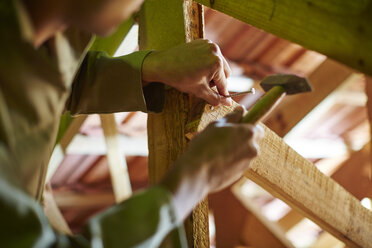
[
  {"x": 259, "y": 132},
  {"x": 220, "y": 81},
  {"x": 209, "y": 95},
  {"x": 226, "y": 67}
]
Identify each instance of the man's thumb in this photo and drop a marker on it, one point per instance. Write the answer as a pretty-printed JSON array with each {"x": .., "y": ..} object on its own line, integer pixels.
[{"x": 235, "y": 116}]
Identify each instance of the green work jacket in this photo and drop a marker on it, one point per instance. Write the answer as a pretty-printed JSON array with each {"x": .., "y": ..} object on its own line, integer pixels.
[{"x": 36, "y": 86}]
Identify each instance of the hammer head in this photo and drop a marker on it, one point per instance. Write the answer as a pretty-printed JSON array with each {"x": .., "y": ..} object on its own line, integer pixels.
[{"x": 291, "y": 83}]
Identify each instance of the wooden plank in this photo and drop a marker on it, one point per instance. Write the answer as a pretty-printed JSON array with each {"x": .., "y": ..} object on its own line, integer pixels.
[
  {"x": 296, "y": 181},
  {"x": 285, "y": 174},
  {"x": 290, "y": 220},
  {"x": 72, "y": 200},
  {"x": 53, "y": 213},
  {"x": 340, "y": 29},
  {"x": 352, "y": 174},
  {"x": 294, "y": 108},
  {"x": 160, "y": 29},
  {"x": 116, "y": 159},
  {"x": 368, "y": 90}
]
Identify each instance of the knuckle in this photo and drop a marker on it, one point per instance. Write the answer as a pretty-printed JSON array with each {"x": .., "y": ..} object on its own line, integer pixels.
[
  {"x": 228, "y": 72},
  {"x": 218, "y": 62},
  {"x": 208, "y": 41},
  {"x": 253, "y": 150},
  {"x": 246, "y": 131},
  {"x": 214, "y": 47}
]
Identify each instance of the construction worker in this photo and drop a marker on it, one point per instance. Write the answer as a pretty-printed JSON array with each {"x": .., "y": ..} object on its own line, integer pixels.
[{"x": 45, "y": 68}]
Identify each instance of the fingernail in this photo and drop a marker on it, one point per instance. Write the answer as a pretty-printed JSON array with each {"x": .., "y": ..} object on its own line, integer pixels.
[{"x": 228, "y": 101}]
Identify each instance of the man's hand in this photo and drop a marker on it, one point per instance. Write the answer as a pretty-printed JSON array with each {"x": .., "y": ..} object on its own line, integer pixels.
[
  {"x": 193, "y": 68},
  {"x": 216, "y": 157},
  {"x": 225, "y": 149}
]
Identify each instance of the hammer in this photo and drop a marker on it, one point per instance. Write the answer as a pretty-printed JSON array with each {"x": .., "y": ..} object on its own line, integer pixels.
[{"x": 276, "y": 87}]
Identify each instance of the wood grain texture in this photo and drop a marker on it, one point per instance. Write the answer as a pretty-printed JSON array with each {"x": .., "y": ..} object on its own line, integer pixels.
[
  {"x": 292, "y": 109},
  {"x": 295, "y": 180},
  {"x": 352, "y": 174},
  {"x": 340, "y": 29},
  {"x": 368, "y": 90},
  {"x": 164, "y": 24},
  {"x": 288, "y": 176}
]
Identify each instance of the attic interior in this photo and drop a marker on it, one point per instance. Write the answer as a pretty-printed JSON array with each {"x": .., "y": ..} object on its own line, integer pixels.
[{"x": 330, "y": 128}]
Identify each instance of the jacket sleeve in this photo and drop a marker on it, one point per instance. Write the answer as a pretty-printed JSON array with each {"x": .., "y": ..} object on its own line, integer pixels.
[
  {"x": 106, "y": 85},
  {"x": 141, "y": 221}
]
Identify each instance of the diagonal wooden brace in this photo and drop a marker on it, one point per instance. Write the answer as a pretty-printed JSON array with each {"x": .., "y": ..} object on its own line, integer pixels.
[{"x": 292, "y": 178}]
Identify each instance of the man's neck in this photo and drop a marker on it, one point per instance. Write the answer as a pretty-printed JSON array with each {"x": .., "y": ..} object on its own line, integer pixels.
[{"x": 47, "y": 18}]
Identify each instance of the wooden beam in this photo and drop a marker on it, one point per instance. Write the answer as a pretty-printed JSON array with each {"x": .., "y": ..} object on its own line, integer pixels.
[
  {"x": 340, "y": 29},
  {"x": 285, "y": 174},
  {"x": 368, "y": 90},
  {"x": 353, "y": 174},
  {"x": 326, "y": 78},
  {"x": 164, "y": 24},
  {"x": 290, "y": 220},
  {"x": 116, "y": 159},
  {"x": 296, "y": 181},
  {"x": 70, "y": 199},
  {"x": 53, "y": 213}
]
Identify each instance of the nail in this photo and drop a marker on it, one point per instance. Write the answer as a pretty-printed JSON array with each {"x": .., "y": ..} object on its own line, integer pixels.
[{"x": 252, "y": 90}]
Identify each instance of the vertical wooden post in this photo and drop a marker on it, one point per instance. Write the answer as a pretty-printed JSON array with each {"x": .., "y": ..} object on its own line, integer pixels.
[
  {"x": 368, "y": 88},
  {"x": 164, "y": 24}
]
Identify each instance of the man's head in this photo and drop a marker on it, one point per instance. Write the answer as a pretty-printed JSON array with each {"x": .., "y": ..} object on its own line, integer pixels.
[
  {"x": 100, "y": 16},
  {"x": 94, "y": 16}
]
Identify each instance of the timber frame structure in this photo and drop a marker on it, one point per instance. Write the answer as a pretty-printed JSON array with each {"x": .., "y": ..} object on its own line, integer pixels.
[
  {"x": 278, "y": 167},
  {"x": 339, "y": 29}
]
